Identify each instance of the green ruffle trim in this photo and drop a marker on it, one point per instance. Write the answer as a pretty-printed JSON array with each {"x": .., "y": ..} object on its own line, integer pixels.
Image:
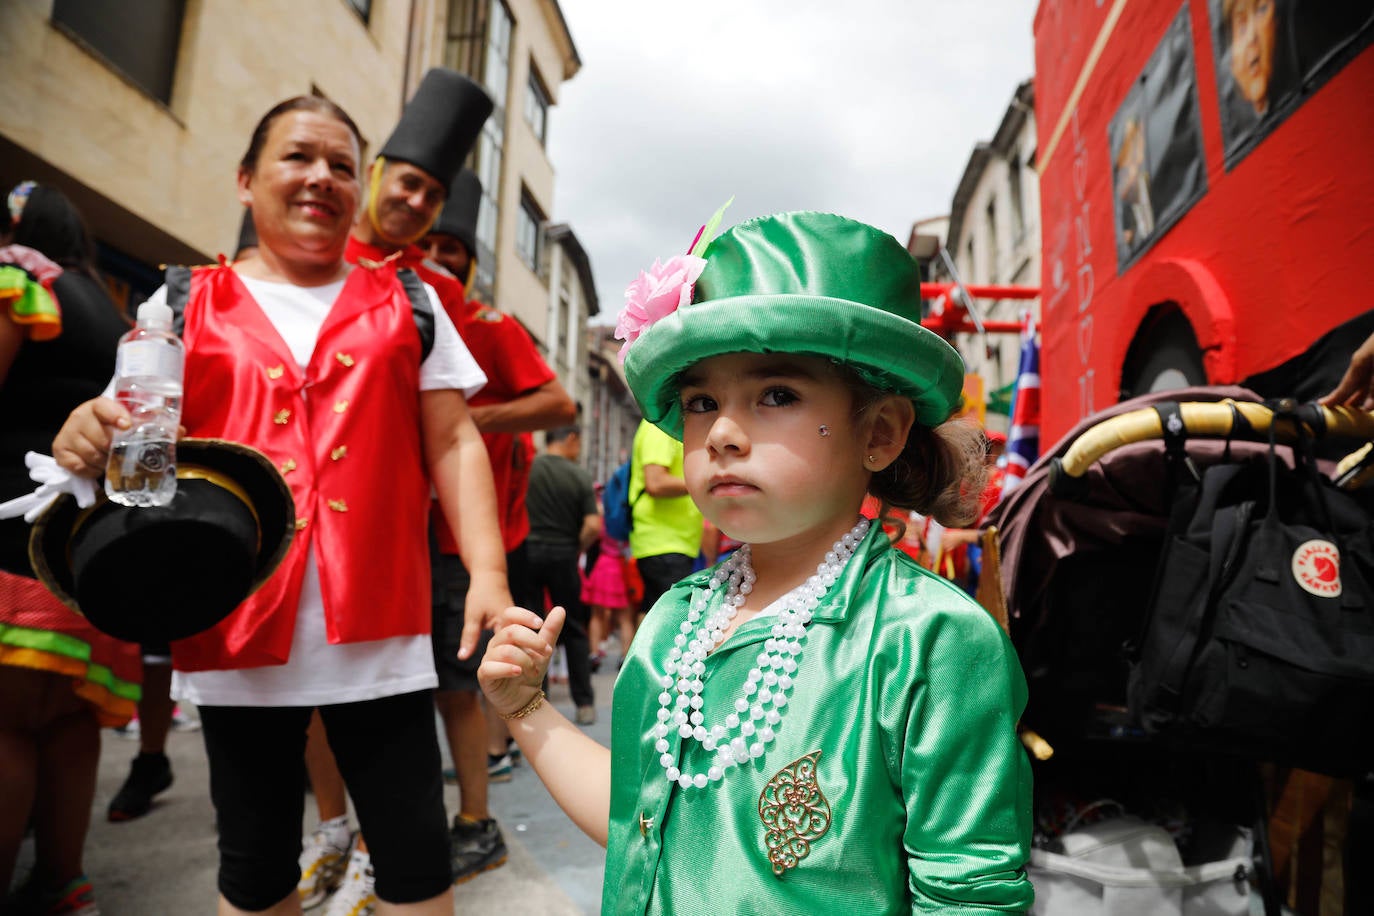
[
  {"x": 69, "y": 647},
  {"x": 30, "y": 303}
]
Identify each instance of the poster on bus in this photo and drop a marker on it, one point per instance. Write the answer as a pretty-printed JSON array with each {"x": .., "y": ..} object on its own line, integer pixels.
[
  {"x": 1273, "y": 54},
  {"x": 1156, "y": 145}
]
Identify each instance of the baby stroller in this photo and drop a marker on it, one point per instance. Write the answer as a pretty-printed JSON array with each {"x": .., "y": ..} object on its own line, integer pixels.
[{"x": 1153, "y": 802}]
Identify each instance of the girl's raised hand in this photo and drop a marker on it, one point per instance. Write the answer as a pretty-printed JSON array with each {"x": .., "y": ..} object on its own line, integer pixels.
[{"x": 513, "y": 669}]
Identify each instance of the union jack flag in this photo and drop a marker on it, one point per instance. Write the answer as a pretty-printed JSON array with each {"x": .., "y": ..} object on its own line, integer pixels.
[{"x": 1023, "y": 442}]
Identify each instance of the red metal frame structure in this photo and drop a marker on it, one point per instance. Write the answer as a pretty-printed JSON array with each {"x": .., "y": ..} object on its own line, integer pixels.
[
  {"x": 949, "y": 316},
  {"x": 1165, "y": 199}
]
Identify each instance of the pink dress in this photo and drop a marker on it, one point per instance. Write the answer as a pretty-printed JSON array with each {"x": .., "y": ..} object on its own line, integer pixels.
[{"x": 604, "y": 586}]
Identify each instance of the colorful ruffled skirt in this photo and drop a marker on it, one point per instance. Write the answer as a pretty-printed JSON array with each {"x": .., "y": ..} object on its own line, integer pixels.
[{"x": 38, "y": 631}]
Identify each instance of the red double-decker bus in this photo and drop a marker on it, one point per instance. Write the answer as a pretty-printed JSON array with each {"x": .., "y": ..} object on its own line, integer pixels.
[{"x": 1207, "y": 191}]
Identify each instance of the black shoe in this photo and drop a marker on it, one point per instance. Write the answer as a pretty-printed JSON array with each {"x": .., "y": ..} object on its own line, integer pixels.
[
  {"x": 476, "y": 846},
  {"x": 149, "y": 775}
]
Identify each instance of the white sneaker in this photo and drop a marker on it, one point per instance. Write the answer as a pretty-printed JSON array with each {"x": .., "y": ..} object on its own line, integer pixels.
[
  {"x": 323, "y": 862},
  {"x": 355, "y": 897},
  {"x": 183, "y": 721},
  {"x": 558, "y": 666}
]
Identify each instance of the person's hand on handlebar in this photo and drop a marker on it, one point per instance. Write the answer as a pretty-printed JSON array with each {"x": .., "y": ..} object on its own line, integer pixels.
[{"x": 1357, "y": 386}]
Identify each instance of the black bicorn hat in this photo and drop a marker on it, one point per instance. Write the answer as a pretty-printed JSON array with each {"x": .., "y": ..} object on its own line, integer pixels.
[
  {"x": 154, "y": 574},
  {"x": 440, "y": 124},
  {"x": 459, "y": 216}
]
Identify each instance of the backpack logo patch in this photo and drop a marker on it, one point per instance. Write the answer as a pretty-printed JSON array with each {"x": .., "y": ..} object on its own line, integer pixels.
[{"x": 1317, "y": 568}]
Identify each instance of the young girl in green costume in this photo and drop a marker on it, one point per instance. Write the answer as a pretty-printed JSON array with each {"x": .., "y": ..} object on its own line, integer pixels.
[{"x": 816, "y": 725}]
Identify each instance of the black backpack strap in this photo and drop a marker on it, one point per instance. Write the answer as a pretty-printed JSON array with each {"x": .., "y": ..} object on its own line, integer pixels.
[
  {"x": 1175, "y": 436},
  {"x": 1313, "y": 418},
  {"x": 1230, "y": 534},
  {"x": 178, "y": 280},
  {"x": 420, "y": 308}
]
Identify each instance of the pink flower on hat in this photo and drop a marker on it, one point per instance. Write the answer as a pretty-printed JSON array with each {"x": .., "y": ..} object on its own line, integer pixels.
[{"x": 655, "y": 294}]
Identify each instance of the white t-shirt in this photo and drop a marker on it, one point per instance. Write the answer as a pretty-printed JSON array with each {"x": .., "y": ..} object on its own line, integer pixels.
[{"x": 318, "y": 673}]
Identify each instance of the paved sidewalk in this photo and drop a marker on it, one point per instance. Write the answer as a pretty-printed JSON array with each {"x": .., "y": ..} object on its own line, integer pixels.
[{"x": 164, "y": 864}]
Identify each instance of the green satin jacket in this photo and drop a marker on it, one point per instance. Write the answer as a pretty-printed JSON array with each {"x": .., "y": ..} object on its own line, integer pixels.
[{"x": 896, "y": 783}]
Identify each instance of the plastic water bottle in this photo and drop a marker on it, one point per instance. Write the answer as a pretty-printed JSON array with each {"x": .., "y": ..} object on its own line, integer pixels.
[{"x": 142, "y": 470}]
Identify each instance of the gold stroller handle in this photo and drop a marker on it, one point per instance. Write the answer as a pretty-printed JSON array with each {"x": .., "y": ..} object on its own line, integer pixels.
[{"x": 1217, "y": 418}]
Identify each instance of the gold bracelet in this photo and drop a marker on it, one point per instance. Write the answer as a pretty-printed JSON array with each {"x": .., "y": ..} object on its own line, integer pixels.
[{"x": 525, "y": 710}]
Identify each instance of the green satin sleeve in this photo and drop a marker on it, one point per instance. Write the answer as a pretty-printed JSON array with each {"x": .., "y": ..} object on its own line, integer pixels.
[{"x": 965, "y": 778}]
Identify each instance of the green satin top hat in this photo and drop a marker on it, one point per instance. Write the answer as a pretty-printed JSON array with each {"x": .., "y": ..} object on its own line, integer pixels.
[{"x": 808, "y": 283}]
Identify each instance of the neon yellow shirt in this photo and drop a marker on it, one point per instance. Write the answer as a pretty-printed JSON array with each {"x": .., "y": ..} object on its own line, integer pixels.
[{"x": 669, "y": 525}]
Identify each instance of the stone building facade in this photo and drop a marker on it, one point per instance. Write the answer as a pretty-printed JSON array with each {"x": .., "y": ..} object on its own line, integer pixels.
[
  {"x": 141, "y": 109},
  {"x": 994, "y": 233}
]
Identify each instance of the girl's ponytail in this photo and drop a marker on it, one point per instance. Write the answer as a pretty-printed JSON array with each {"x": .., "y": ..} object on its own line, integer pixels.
[{"x": 941, "y": 472}]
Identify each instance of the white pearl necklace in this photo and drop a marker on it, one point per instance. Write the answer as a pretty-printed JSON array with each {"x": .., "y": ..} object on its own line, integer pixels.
[{"x": 758, "y": 711}]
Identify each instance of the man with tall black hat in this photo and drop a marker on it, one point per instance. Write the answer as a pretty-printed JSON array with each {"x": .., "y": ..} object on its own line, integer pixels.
[{"x": 522, "y": 395}]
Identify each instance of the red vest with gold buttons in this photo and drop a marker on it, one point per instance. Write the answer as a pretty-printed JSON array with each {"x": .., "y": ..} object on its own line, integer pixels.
[{"x": 345, "y": 434}]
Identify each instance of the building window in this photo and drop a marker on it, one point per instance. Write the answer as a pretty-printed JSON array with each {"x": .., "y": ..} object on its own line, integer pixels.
[
  {"x": 362, "y": 7},
  {"x": 529, "y": 232},
  {"x": 496, "y": 72},
  {"x": 138, "y": 38},
  {"x": 992, "y": 242},
  {"x": 478, "y": 44},
  {"x": 464, "y": 37},
  {"x": 537, "y": 106},
  {"x": 566, "y": 319},
  {"x": 492, "y": 144},
  {"x": 1018, "y": 206}
]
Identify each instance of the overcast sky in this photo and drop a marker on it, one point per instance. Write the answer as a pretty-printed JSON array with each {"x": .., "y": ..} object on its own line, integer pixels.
[{"x": 868, "y": 108}]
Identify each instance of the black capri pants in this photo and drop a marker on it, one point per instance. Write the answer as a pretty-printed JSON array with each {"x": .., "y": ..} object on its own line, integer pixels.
[{"x": 388, "y": 753}]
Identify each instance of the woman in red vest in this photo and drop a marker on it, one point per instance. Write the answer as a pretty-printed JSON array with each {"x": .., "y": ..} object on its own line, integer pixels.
[{"x": 319, "y": 365}]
